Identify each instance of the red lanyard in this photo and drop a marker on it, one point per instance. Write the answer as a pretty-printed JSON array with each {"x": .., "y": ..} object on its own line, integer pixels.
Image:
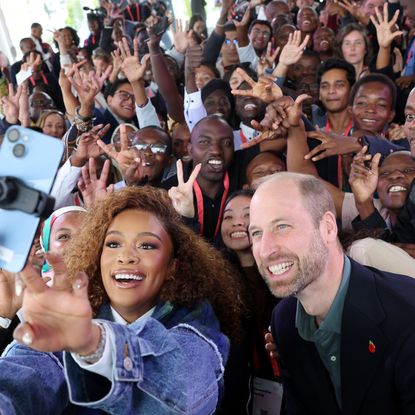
[
  {"x": 200, "y": 207},
  {"x": 243, "y": 137},
  {"x": 44, "y": 79},
  {"x": 93, "y": 39},
  {"x": 339, "y": 158},
  {"x": 137, "y": 9}
]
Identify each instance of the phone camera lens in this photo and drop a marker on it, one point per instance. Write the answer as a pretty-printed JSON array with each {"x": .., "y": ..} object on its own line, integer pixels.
[
  {"x": 19, "y": 150},
  {"x": 13, "y": 135}
]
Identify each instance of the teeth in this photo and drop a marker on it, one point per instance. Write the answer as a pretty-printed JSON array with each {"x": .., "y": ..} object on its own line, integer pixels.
[
  {"x": 248, "y": 107},
  {"x": 215, "y": 162},
  {"x": 240, "y": 234},
  {"x": 280, "y": 268},
  {"x": 367, "y": 120},
  {"x": 394, "y": 189},
  {"x": 128, "y": 277}
]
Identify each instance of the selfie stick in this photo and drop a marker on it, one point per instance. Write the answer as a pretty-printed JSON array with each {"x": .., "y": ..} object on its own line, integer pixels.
[{"x": 15, "y": 195}]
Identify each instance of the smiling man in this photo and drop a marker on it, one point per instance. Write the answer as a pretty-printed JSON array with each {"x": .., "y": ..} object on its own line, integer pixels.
[{"x": 345, "y": 334}]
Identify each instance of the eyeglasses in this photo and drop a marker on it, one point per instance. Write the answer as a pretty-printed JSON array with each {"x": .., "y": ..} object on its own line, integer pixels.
[
  {"x": 229, "y": 41},
  {"x": 155, "y": 148},
  {"x": 266, "y": 33},
  {"x": 125, "y": 96},
  {"x": 409, "y": 117}
]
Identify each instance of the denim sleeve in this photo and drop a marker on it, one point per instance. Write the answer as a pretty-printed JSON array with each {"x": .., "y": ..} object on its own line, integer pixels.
[
  {"x": 31, "y": 382},
  {"x": 155, "y": 371}
]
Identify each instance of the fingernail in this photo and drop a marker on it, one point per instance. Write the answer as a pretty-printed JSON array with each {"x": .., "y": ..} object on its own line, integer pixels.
[
  {"x": 27, "y": 338},
  {"x": 77, "y": 285}
]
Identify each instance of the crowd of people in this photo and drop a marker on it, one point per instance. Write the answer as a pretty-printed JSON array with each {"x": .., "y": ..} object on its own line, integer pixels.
[{"x": 234, "y": 224}]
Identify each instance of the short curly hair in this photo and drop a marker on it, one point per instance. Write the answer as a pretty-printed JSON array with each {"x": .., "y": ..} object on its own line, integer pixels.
[{"x": 201, "y": 271}]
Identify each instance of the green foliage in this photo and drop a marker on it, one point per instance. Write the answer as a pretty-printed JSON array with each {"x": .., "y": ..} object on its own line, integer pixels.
[{"x": 75, "y": 15}]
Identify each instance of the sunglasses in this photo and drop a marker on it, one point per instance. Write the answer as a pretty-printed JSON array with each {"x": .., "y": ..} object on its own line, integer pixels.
[{"x": 155, "y": 148}]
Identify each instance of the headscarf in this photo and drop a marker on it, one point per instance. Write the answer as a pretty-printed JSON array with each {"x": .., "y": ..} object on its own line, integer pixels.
[{"x": 47, "y": 228}]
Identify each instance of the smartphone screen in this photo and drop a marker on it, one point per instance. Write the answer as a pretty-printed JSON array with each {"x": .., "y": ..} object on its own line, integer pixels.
[{"x": 33, "y": 158}]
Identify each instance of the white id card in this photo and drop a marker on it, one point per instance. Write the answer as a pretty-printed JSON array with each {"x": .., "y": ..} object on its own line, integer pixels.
[
  {"x": 267, "y": 397},
  {"x": 23, "y": 75}
]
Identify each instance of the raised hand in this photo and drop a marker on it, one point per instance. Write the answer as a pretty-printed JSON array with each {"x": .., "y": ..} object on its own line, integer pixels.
[
  {"x": 131, "y": 66},
  {"x": 58, "y": 317},
  {"x": 181, "y": 36},
  {"x": 128, "y": 160},
  {"x": 354, "y": 8},
  {"x": 265, "y": 89},
  {"x": 294, "y": 48},
  {"x": 364, "y": 175},
  {"x": 24, "y": 115},
  {"x": 267, "y": 61},
  {"x": 9, "y": 301},
  {"x": 384, "y": 27},
  {"x": 86, "y": 145},
  {"x": 396, "y": 132},
  {"x": 92, "y": 188},
  {"x": 86, "y": 88},
  {"x": 182, "y": 194},
  {"x": 100, "y": 77},
  {"x": 331, "y": 144},
  {"x": 10, "y": 104},
  {"x": 245, "y": 19}
]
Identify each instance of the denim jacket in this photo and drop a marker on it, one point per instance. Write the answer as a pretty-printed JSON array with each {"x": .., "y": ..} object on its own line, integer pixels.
[{"x": 172, "y": 363}]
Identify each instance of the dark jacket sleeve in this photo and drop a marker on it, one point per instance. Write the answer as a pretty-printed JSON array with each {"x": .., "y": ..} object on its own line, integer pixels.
[
  {"x": 374, "y": 221},
  {"x": 212, "y": 48}
]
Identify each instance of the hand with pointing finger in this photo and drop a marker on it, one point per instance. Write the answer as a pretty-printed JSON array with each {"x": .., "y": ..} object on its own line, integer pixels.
[{"x": 182, "y": 194}]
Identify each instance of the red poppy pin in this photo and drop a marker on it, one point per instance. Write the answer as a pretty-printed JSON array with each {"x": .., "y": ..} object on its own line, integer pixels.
[{"x": 372, "y": 347}]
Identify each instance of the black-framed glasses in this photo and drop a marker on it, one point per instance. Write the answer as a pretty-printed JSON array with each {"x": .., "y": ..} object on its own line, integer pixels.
[
  {"x": 154, "y": 148},
  {"x": 125, "y": 96}
]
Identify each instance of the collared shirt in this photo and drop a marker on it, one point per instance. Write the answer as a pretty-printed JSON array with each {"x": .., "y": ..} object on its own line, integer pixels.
[{"x": 327, "y": 337}]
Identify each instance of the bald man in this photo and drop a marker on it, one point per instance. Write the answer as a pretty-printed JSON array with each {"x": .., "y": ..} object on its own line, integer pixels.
[{"x": 345, "y": 334}]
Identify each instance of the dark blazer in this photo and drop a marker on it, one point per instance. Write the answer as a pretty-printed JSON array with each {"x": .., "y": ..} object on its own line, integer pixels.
[{"x": 379, "y": 308}]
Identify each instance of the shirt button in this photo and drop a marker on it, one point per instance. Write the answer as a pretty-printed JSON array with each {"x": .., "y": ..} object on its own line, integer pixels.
[
  {"x": 333, "y": 358},
  {"x": 128, "y": 363}
]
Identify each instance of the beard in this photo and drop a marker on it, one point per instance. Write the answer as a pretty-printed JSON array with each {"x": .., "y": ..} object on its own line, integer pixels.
[{"x": 306, "y": 269}]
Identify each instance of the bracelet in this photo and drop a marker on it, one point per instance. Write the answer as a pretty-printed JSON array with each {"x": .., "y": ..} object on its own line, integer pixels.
[
  {"x": 80, "y": 117},
  {"x": 220, "y": 25},
  {"x": 95, "y": 356}
]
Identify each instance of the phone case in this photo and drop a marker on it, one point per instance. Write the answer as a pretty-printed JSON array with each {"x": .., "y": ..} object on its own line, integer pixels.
[{"x": 35, "y": 161}]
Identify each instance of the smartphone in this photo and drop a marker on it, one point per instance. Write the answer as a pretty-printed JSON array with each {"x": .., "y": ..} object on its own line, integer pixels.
[{"x": 34, "y": 159}]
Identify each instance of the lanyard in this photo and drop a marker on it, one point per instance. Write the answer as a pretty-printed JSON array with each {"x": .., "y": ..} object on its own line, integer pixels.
[
  {"x": 339, "y": 158},
  {"x": 200, "y": 207},
  {"x": 243, "y": 137},
  {"x": 33, "y": 82},
  {"x": 137, "y": 9},
  {"x": 411, "y": 52}
]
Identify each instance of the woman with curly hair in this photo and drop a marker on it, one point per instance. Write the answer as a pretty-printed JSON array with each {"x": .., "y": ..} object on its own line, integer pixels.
[{"x": 142, "y": 335}]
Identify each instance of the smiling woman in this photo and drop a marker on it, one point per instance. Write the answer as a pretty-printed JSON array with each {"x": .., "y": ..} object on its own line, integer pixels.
[{"x": 156, "y": 287}]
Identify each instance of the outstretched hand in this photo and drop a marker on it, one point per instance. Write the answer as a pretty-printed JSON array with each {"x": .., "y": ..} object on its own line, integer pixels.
[
  {"x": 384, "y": 26},
  {"x": 133, "y": 69},
  {"x": 182, "y": 194},
  {"x": 265, "y": 89},
  {"x": 331, "y": 145},
  {"x": 10, "y": 104},
  {"x": 92, "y": 188},
  {"x": 10, "y": 302},
  {"x": 58, "y": 317}
]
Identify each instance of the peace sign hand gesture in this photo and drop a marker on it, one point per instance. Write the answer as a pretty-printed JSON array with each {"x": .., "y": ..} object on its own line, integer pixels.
[
  {"x": 128, "y": 159},
  {"x": 384, "y": 27},
  {"x": 265, "y": 89},
  {"x": 182, "y": 194}
]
